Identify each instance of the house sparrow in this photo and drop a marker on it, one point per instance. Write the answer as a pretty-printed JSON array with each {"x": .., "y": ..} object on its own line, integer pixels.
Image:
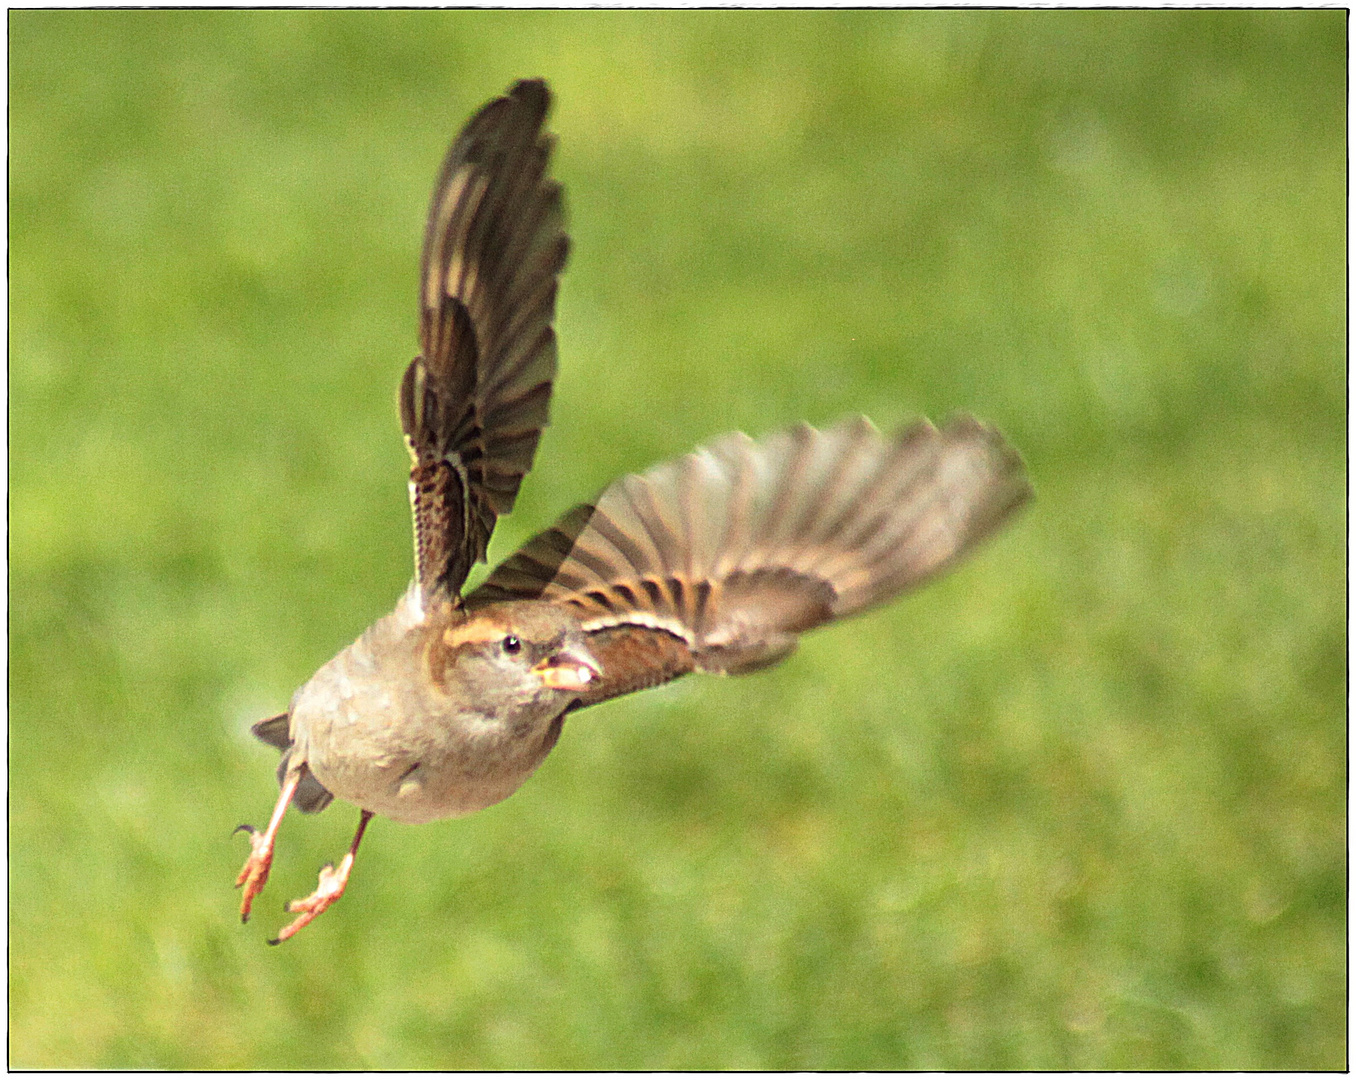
[{"x": 716, "y": 561}]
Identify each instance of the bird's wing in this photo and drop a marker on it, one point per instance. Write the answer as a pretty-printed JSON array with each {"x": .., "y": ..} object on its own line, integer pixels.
[
  {"x": 474, "y": 403},
  {"x": 719, "y": 560}
]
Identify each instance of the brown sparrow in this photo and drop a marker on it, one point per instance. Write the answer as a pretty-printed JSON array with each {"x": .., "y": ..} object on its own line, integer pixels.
[{"x": 715, "y": 562}]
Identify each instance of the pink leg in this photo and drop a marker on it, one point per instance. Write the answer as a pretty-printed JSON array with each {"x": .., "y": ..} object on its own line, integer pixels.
[
  {"x": 329, "y": 890},
  {"x": 255, "y": 872}
]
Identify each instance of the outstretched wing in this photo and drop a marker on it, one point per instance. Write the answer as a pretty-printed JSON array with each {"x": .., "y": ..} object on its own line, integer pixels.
[
  {"x": 474, "y": 403},
  {"x": 719, "y": 560}
]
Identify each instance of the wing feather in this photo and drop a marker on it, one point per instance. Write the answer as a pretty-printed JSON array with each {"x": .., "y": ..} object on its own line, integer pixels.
[
  {"x": 473, "y": 403},
  {"x": 720, "y": 559}
]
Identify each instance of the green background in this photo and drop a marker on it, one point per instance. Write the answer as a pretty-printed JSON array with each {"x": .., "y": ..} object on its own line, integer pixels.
[{"x": 1080, "y": 805}]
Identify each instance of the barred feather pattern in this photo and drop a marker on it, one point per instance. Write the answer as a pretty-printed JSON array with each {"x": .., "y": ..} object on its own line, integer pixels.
[
  {"x": 473, "y": 404},
  {"x": 739, "y": 547}
]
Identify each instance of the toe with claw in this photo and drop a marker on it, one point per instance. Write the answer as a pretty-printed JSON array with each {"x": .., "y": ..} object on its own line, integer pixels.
[
  {"x": 255, "y": 871},
  {"x": 254, "y": 874},
  {"x": 330, "y": 888}
]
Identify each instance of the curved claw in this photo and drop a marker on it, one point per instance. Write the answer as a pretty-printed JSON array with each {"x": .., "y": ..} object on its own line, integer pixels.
[
  {"x": 254, "y": 874},
  {"x": 327, "y": 891}
]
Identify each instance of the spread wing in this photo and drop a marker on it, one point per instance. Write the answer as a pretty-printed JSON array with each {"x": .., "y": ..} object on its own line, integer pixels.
[
  {"x": 474, "y": 403},
  {"x": 719, "y": 560}
]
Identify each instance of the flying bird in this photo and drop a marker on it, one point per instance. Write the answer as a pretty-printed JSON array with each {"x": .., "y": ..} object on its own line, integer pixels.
[{"x": 717, "y": 561}]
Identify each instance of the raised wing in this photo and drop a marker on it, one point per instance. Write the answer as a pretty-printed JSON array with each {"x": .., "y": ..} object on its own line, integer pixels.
[
  {"x": 474, "y": 403},
  {"x": 719, "y": 560}
]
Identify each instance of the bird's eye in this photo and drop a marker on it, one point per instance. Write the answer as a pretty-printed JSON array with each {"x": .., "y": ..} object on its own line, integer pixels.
[{"x": 512, "y": 645}]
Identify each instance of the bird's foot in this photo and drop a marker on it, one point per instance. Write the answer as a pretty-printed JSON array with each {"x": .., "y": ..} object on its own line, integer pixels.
[
  {"x": 329, "y": 890},
  {"x": 254, "y": 874}
]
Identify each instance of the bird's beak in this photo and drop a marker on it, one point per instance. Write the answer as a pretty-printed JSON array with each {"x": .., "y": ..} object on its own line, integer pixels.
[{"x": 571, "y": 668}]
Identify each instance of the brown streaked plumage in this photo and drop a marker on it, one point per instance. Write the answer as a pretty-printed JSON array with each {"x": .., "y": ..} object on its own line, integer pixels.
[
  {"x": 473, "y": 403},
  {"x": 716, "y": 561},
  {"x": 741, "y": 546}
]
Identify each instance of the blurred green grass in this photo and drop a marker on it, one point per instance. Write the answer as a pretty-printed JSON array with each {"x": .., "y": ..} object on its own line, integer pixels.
[{"x": 1081, "y": 805}]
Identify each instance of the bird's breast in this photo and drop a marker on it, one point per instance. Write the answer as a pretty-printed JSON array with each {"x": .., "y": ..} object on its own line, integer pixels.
[{"x": 378, "y": 733}]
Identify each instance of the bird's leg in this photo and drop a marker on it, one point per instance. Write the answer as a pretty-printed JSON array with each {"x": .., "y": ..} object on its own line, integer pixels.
[
  {"x": 329, "y": 890},
  {"x": 255, "y": 872}
]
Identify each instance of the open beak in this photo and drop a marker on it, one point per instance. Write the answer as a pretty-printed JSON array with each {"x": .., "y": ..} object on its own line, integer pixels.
[{"x": 569, "y": 669}]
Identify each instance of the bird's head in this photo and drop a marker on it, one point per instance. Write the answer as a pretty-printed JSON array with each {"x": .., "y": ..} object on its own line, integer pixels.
[{"x": 514, "y": 653}]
